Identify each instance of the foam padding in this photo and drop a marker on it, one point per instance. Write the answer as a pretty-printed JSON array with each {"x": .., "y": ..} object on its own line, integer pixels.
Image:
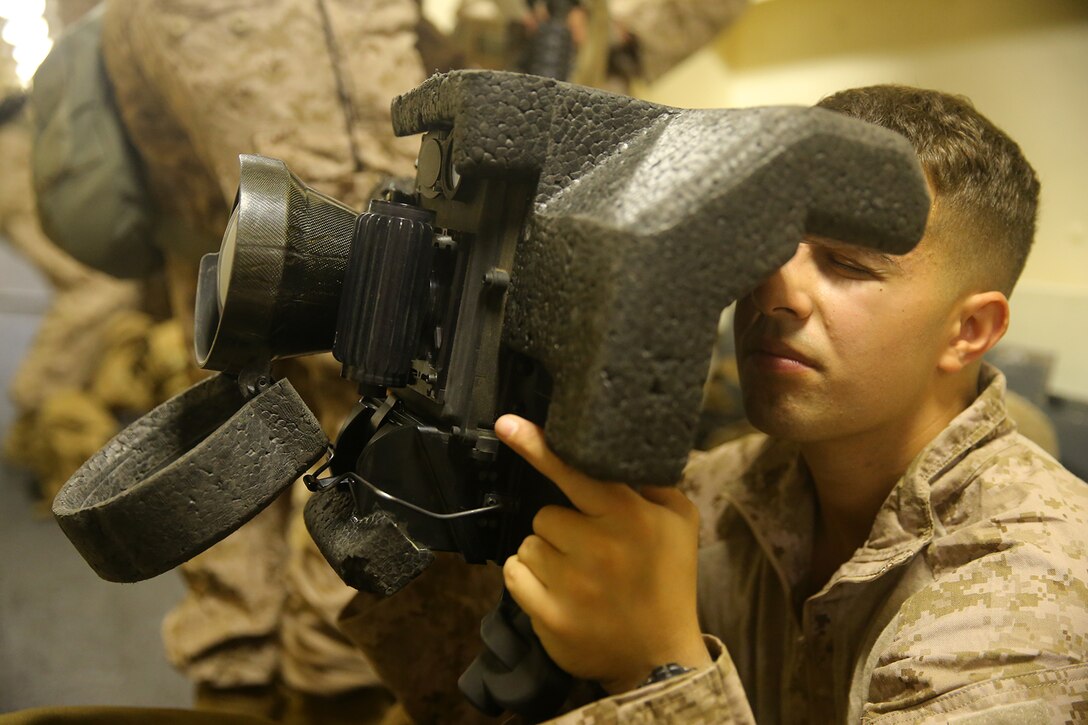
[
  {"x": 185, "y": 475},
  {"x": 647, "y": 222}
]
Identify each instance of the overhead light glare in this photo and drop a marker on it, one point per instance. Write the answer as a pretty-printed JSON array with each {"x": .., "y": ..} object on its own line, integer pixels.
[{"x": 27, "y": 31}]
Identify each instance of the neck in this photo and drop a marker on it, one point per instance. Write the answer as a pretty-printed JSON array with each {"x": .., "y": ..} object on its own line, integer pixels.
[{"x": 854, "y": 474}]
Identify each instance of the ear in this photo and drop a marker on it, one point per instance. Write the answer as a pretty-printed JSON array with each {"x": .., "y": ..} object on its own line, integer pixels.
[{"x": 982, "y": 320}]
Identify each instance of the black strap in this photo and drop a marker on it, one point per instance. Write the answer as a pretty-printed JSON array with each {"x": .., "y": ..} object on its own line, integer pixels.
[{"x": 186, "y": 475}]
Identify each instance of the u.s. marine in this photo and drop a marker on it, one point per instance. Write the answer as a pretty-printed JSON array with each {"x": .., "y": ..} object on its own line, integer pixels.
[{"x": 889, "y": 548}]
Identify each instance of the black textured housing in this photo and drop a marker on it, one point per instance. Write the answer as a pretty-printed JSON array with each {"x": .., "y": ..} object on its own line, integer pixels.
[
  {"x": 383, "y": 302},
  {"x": 647, "y": 222}
]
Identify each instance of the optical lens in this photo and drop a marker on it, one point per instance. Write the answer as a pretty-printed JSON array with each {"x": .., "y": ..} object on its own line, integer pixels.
[{"x": 226, "y": 258}]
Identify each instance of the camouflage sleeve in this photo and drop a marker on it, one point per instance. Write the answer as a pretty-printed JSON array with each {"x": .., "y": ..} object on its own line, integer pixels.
[
  {"x": 430, "y": 629},
  {"x": 667, "y": 31},
  {"x": 420, "y": 639},
  {"x": 712, "y": 696}
]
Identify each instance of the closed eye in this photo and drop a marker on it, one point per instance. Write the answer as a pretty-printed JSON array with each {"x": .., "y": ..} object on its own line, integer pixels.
[{"x": 849, "y": 266}]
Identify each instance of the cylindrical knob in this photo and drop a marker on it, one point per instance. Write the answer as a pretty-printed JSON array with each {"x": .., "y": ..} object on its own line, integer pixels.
[{"x": 384, "y": 298}]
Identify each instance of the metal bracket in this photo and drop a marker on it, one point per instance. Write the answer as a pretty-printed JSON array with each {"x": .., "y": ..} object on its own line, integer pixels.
[
  {"x": 255, "y": 379},
  {"x": 315, "y": 484}
]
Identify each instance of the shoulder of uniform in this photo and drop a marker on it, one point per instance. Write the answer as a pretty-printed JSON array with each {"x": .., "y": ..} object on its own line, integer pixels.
[
  {"x": 1007, "y": 495},
  {"x": 1013, "y": 473}
]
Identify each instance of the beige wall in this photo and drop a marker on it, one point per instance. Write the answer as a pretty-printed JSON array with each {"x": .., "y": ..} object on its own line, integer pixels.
[
  {"x": 1023, "y": 62},
  {"x": 1025, "y": 65}
]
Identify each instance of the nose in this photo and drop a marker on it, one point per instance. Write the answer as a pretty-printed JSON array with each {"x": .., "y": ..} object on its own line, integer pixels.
[{"x": 787, "y": 292}]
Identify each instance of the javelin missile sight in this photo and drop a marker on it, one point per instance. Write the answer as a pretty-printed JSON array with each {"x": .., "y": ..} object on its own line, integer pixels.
[{"x": 563, "y": 253}]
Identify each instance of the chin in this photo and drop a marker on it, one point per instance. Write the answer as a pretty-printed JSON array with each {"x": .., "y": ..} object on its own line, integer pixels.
[
  {"x": 769, "y": 423},
  {"x": 787, "y": 425}
]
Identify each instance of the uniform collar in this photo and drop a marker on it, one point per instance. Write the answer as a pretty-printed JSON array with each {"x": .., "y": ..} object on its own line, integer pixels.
[
  {"x": 776, "y": 496},
  {"x": 986, "y": 419},
  {"x": 905, "y": 522}
]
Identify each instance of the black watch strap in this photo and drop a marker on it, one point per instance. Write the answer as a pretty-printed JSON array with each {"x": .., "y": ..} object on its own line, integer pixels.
[{"x": 665, "y": 672}]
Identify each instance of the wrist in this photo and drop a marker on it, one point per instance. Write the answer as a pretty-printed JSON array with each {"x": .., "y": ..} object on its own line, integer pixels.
[
  {"x": 665, "y": 672},
  {"x": 693, "y": 656}
]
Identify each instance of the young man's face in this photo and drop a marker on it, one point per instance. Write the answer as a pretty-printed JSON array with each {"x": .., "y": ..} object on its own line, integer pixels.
[{"x": 843, "y": 340}]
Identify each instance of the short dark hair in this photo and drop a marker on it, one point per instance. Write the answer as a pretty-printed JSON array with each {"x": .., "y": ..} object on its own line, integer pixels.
[{"x": 986, "y": 191}]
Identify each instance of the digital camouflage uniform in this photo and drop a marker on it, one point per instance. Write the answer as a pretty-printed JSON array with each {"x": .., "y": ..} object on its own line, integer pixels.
[
  {"x": 968, "y": 603},
  {"x": 198, "y": 82}
]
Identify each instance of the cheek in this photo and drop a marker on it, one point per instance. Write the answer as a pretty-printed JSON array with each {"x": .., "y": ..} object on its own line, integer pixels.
[
  {"x": 852, "y": 326},
  {"x": 885, "y": 338},
  {"x": 870, "y": 332},
  {"x": 743, "y": 314}
]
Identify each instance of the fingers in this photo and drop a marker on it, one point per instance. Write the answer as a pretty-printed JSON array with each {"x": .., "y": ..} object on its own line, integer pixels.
[
  {"x": 589, "y": 496},
  {"x": 562, "y": 527},
  {"x": 527, "y": 590},
  {"x": 541, "y": 558},
  {"x": 527, "y": 440}
]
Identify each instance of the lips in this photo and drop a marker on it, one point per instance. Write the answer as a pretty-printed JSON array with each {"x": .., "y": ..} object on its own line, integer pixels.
[{"x": 775, "y": 350}]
